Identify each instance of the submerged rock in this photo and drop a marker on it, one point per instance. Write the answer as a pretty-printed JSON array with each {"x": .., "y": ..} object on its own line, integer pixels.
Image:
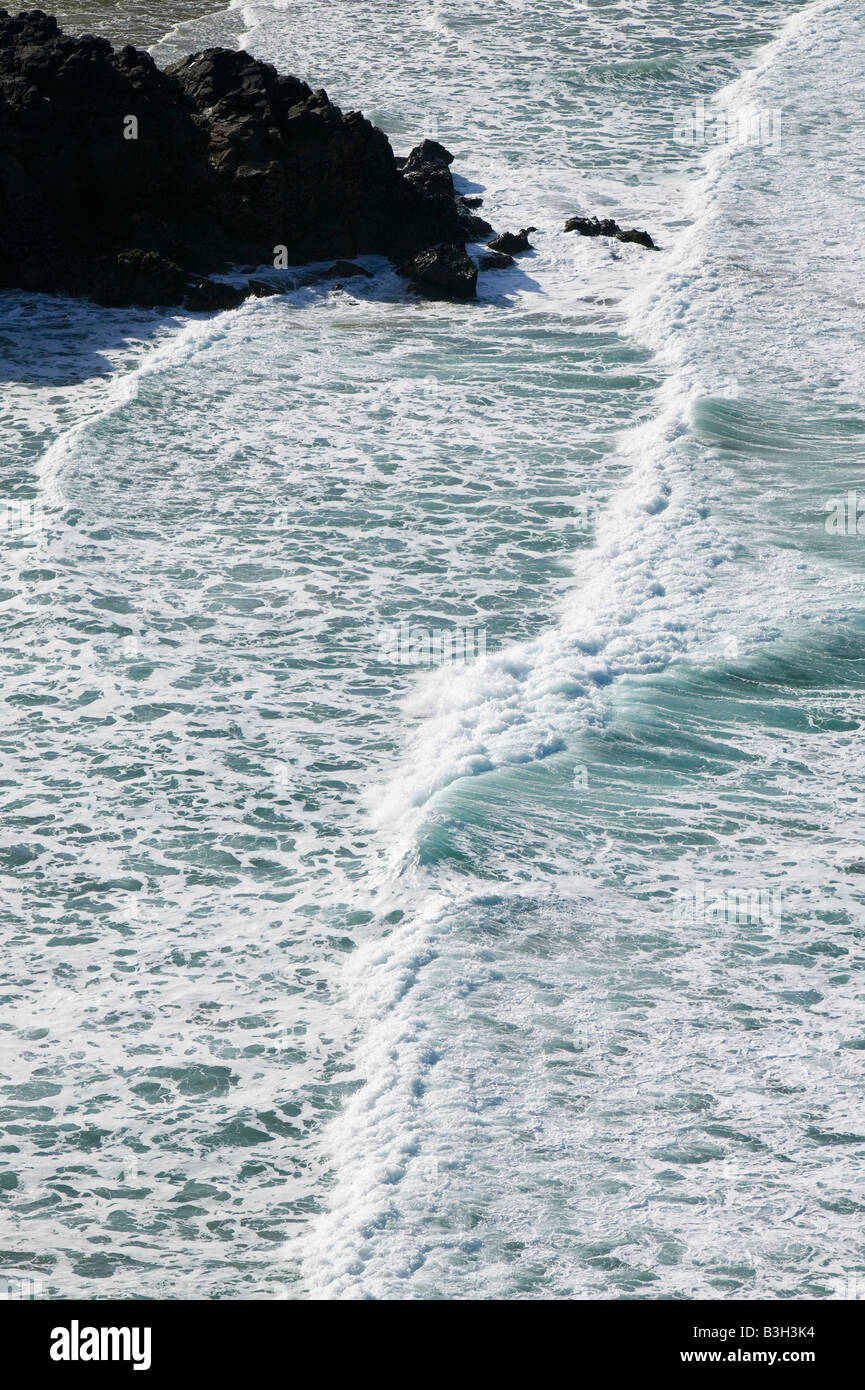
[
  {"x": 443, "y": 272},
  {"x": 494, "y": 260},
  {"x": 336, "y": 273},
  {"x": 261, "y": 289},
  {"x": 591, "y": 226},
  {"x": 132, "y": 185},
  {"x": 512, "y": 243}
]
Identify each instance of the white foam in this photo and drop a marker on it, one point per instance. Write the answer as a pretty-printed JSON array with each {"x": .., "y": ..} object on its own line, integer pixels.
[{"x": 646, "y": 594}]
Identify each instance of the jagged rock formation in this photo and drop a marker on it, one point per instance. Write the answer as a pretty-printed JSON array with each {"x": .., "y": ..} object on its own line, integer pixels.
[{"x": 128, "y": 184}]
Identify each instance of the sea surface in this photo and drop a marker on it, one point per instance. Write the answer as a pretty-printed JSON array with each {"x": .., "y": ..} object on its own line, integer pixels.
[
  {"x": 329, "y": 973},
  {"x": 145, "y": 23}
]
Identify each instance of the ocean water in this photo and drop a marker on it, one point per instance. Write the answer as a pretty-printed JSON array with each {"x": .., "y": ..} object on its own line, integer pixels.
[
  {"x": 331, "y": 974},
  {"x": 145, "y": 23}
]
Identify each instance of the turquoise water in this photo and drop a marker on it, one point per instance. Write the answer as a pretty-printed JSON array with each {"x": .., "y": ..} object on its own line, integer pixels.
[{"x": 331, "y": 975}]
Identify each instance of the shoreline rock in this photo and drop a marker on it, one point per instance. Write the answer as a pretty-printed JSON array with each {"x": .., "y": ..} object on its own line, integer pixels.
[
  {"x": 512, "y": 243},
  {"x": 474, "y": 227},
  {"x": 127, "y": 184},
  {"x": 443, "y": 272},
  {"x": 495, "y": 260},
  {"x": 592, "y": 226}
]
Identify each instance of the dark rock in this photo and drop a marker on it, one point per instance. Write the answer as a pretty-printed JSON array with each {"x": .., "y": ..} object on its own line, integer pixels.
[
  {"x": 286, "y": 167},
  {"x": 148, "y": 279},
  {"x": 474, "y": 228},
  {"x": 340, "y": 270},
  {"x": 428, "y": 168},
  {"x": 442, "y": 272},
  {"x": 138, "y": 277},
  {"x": 511, "y": 243},
  {"x": 435, "y": 217},
  {"x": 207, "y": 296},
  {"x": 641, "y": 238},
  {"x": 345, "y": 270},
  {"x": 592, "y": 226},
  {"x": 465, "y": 202},
  {"x": 494, "y": 260},
  {"x": 431, "y": 152},
  {"x": 260, "y": 289},
  {"x": 130, "y": 184}
]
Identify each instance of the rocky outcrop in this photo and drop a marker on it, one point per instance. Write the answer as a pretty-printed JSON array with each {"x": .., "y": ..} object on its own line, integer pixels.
[
  {"x": 443, "y": 272},
  {"x": 591, "y": 226},
  {"x": 512, "y": 243},
  {"x": 129, "y": 184},
  {"x": 474, "y": 228},
  {"x": 145, "y": 278}
]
